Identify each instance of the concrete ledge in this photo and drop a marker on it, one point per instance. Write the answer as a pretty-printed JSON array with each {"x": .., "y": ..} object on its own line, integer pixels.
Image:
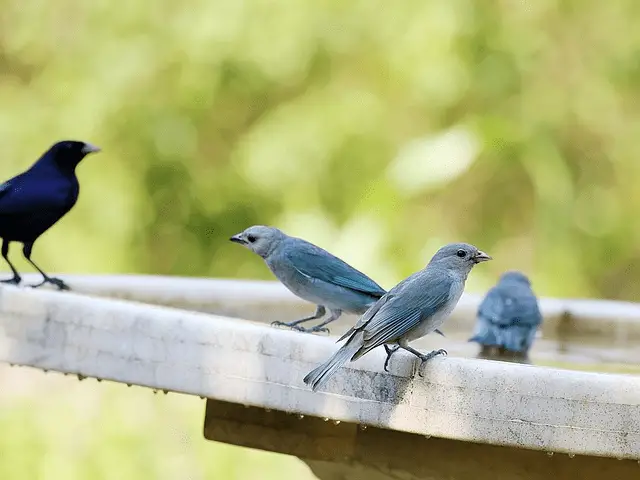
[
  {"x": 246, "y": 363},
  {"x": 575, "y": 331}
]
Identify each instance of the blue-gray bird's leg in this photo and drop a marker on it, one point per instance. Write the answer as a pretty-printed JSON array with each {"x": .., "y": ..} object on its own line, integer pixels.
[
  {"x": 26, "y": 250},
  {"x": 424, "y": 357},
  {"x": 5, "y": 254},
  {"x": 390, "y": 351},
  {"x": 320, "y": 312},
  {"x": 335, "y": 314}
]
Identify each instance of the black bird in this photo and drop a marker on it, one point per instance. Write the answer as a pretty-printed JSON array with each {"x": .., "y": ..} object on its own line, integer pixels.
[{"x": 32, "y": 202}]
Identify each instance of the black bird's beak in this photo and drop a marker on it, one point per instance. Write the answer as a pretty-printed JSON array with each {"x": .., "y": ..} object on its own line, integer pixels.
[
  {"x": 88, "y": 148},
  {"x": 237, "y": 239},
  {"x": 481, "y": 257}
]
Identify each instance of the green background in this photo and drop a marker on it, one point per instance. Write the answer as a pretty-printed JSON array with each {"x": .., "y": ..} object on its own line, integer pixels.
[{"x": 378, "y": 130}]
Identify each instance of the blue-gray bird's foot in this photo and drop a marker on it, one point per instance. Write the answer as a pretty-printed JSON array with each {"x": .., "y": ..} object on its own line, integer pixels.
[
  {"x": 53, "y": 281},
  {"x": 317, "y": 329},
  {"x": 281, "y": 324},
  {"x": 295, "y": 326},
  {"x": 425, "y": 358},
  {"x": 390, "y": 351},
  {"x": 12, "y": 281}
]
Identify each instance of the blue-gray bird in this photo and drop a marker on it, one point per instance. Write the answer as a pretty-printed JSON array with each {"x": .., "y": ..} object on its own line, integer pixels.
[
  {"x": 312, "y": 274},
  {"x": 415, "y": 307},
  {"x": 32, "y": 202},
  {"x": 508, "y": 318}
]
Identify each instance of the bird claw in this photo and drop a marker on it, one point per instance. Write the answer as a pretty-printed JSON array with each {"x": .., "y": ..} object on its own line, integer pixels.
[
  {"x": 11, "y": 281},
  {"x": 386, "y": 363},
  {"x": 282, "y": 324},
  {"x": 316, "y": 330},
  {"x": 425, "y": 358},
  {"x": 298, "y": 328},
  {"x": 53, "y": 281},
  {"x": 60, "y": 284},
  {"x": 390, "y": 351}
]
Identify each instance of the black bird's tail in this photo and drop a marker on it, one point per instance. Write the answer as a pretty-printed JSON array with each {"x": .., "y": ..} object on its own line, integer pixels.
[{"x": 319, "y": 375}]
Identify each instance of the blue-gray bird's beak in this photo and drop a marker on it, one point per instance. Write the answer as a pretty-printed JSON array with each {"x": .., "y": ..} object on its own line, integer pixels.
[
  {"x": 237, "y": 239},
  {"x": 481, "y": 257},
  {"x": 88, "y": 148}
]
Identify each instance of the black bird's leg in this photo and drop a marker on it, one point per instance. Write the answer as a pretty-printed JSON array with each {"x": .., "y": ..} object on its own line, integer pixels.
[
  {"x": 390, "y": 351},
  {"x": 335, "y": 314},
  {"x": 5, "y": 254},
  {"x": 47, "y": 279},
  {"x": 320, "y": 312},
  {"x": 424, "y": 357}
]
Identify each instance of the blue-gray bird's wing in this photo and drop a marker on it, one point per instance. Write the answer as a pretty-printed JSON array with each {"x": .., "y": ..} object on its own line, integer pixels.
[
  {"x": 319, "y": 264},
  {"x": 507, "y": 305},
  {"x": 492, "y": 307},
  {"x": 366, "y": 316},
  {"x": 409, "y": 303}
]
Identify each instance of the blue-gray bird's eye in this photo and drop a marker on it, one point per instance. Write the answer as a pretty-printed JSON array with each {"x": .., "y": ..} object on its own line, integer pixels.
[
  {"x": 461, "y": 253},
  {"x": 251, "y": 238}
]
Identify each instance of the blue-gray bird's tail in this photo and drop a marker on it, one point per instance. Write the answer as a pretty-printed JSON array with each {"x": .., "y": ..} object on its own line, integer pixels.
[
  {"x": 518, "y": 339},
  {"x": 319, "y": 375},
  {"x": 513, "y": 338},
  {"x": 485, "y": 334}
]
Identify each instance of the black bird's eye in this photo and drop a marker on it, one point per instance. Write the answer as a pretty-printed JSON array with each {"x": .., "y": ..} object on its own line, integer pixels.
[
  {"x": 251, "y": 238},
  {"x": 461, "y": 253}
]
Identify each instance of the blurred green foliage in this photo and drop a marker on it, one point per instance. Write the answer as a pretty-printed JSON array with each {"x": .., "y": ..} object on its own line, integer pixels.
[
  {"x": 54, "y": 428},
  {"x": 377, "y": 130}
]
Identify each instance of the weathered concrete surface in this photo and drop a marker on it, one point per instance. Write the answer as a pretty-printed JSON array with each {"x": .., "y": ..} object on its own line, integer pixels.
[
  {"x": 574, "y": 331},
  {"x": 348, "y": 451},
  {"x": 247, "y": 363}
]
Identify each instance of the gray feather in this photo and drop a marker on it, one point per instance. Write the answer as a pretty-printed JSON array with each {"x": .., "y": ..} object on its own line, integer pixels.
[
  {"x": 415, "y": 307},
  {"x": 509, "y": 315},
  {"x": 319, "y": 375},
  {"x": 314, "y": 262}
]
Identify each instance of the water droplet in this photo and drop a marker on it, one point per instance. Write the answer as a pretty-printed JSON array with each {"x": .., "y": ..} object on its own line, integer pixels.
[
  {"x": 550, "y": 454},
  {"x": 572, "y": 455},
  {"x": 201, "y": 397},
  {"x": 326, "y": 419},
  {"x": 427, "y": 437},
  {"x": 99, "y": 380},
  {"x": 300, "y": 416},
  {"x": 128, "y": 384},
  {"x": 155, "y": 391},
  {"x": 165, "y": 391},
  {"x": 363, "y": 427},
  {"x": 336, "y": 422}
]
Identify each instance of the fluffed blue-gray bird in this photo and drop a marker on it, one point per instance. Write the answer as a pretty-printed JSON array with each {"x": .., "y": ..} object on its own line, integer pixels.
[
  {"x": 508, "y": 317},
  {"x": 32, "y": 202},
  {"x": 415, "y": 307},
  {"x": 312, "y": 274}
]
